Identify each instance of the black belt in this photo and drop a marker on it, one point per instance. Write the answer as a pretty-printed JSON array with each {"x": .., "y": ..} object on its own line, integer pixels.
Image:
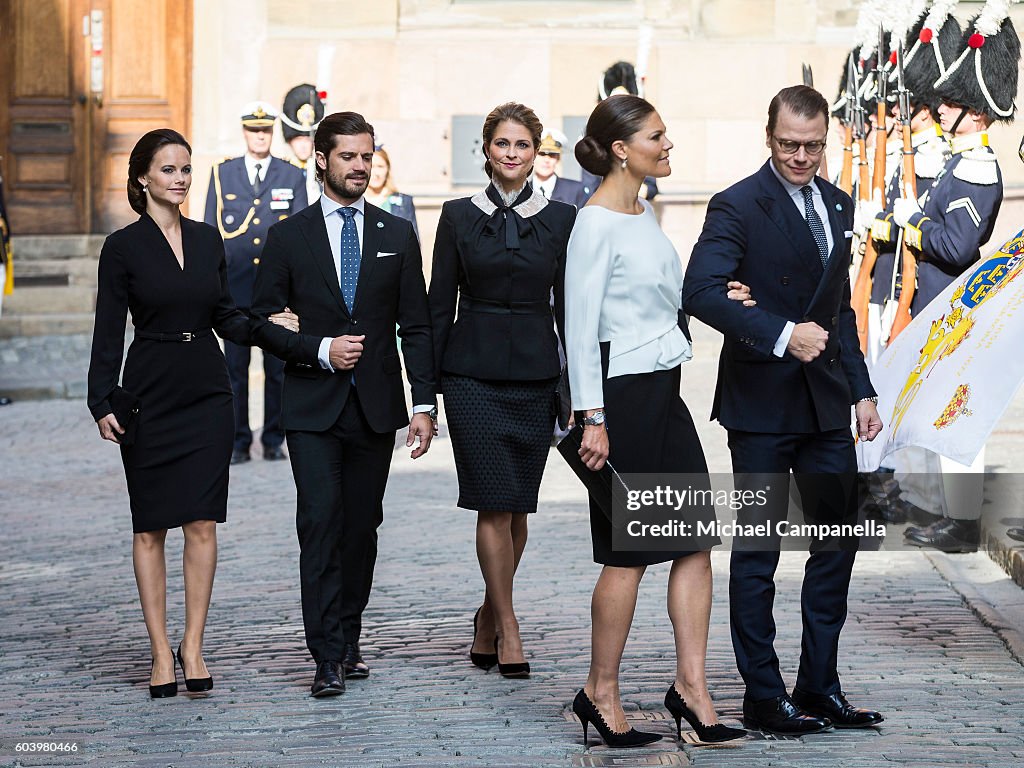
[
  {"x": 183, "y": 336},
  {"x": 471, "y": 304}
]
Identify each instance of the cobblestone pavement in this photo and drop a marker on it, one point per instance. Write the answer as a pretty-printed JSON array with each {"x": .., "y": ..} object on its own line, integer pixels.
[{"x": 73, "y": 649}]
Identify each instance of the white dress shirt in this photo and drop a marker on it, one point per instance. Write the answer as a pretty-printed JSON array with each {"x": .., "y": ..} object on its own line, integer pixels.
[
  {"x": 797, "y": 196},
  {"x": 546, "y": 187},
  {"x": 250, "y": 167},
  {"x": 623, "y": 285},
  {"x": 334, "y": 222}
]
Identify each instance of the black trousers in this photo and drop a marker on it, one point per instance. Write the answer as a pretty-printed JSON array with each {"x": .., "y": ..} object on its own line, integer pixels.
[
  {"x": 340, "y": 476},
  {"x": 828, "y": 495},
  {"x": 237, "y": 358}
]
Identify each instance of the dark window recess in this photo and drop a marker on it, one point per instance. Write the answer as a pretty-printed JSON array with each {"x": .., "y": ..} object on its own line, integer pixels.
[{"x": 27, "y": 281}]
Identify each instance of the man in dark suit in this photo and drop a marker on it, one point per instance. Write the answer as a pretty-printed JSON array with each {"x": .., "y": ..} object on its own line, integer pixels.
[
  {"x": 246, "y": 196},
  {"x": 790, "y": 369},
  {"x": 351, "y": 272}
]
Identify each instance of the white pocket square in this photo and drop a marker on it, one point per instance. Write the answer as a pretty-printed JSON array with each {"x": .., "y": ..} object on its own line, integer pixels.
[
  {"x": 381, "y": 254},
  {"x": 847, "y": 233}
]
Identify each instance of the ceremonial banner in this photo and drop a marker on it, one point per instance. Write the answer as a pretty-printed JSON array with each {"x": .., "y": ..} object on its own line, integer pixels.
[{"x": 946, "y": 379}]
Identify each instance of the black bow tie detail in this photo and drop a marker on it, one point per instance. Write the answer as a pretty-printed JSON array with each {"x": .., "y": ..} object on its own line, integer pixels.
[{"x": 505, "y": 217}]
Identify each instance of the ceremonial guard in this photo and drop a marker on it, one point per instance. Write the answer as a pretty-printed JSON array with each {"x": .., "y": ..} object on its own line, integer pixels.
[
  {"x": 931, "y": 45},
  {"x": 545, "y": 177},
  {"x": 302, "y": 112},
  {"x": 247, "y": 195},
  {"x": 949, "y": 224}
]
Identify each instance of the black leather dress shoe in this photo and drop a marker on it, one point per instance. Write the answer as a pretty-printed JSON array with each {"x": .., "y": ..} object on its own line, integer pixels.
[
  {"x": 273, "y": 453},
  {"x": 353, "y": 663},
  {"x": 837, "y": 709},
  {"x": 329, "y": 679},
  {"x": 781, "y": 716},
  {"x": 947, "y": 535},
  {"x": 900, "y": 510},
  {"x": 239, "y": 456}
]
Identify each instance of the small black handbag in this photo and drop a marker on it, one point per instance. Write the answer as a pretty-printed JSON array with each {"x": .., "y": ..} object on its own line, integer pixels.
[
  {"x": 125, "y": 407},
  {"x": 563, "y": 400},
  {"x": 605, "y": 486}
]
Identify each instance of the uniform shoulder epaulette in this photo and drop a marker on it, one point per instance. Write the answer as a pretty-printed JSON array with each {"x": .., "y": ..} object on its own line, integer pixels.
[
  {"x": 293, "y": 161},
  {"x": 930, "y": 159},
  {"x": 977, "y": 166},
  {"x": 222, "y": 160}
]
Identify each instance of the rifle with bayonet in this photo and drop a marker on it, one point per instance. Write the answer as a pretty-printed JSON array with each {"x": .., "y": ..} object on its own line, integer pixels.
[
  {"x": 908, "y": 277},
  {"x": 861, "y": 296},
  {"x": 846, "y": 174},
  {"x": 809, "y": 82}
]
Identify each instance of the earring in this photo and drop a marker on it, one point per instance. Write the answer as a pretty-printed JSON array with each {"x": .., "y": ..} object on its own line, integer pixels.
[
  {"x": 624, "y": 161},
  {"x": 145, "y": 187}
]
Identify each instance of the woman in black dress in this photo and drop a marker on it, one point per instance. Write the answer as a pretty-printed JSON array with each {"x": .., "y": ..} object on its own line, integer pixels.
[
  {"x": 497, "y": 257},
  {"x": 170, "y": 273}
]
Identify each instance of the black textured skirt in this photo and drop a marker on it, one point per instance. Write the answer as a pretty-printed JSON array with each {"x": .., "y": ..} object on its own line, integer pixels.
[{"x": 501, "y": 437}]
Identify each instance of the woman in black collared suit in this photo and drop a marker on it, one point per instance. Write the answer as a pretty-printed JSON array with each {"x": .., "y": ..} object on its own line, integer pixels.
[{"x": 497, "y": 257}]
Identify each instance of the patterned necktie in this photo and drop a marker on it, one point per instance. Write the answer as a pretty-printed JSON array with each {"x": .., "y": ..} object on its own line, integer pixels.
[
  {"x": 350, "y": 256},
  {"x": 815, "y": 225}
]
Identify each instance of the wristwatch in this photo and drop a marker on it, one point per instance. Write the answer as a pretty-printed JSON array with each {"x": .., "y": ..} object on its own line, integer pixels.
[
  {"x": 868, "y": 400},
  {"x": 596, "y": 419},
  {"x": 432, "y": 413}
]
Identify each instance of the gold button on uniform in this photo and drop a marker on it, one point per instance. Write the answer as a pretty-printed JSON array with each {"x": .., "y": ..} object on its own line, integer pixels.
[
  {"x": 255, "y": 221},
  {"x": 282, "y": 217},
  {"x": 256, "y": 260},
  {"x": 255, "y": 241},
  {"x": 256, "y": 201}
]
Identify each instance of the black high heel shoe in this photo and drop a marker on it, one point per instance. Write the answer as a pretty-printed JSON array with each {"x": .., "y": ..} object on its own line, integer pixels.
[
  {"x": 164, "y": 690},
  {"x": 482, "y": 660},
  {"x": 585, "y": 710},
  {"x": 194, "y": 684},
  {"x": 515, "y": 670},
  {"x": 710, "y": 733}
]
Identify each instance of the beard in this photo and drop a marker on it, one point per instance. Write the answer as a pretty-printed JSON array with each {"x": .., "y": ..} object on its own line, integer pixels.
[{"x": 346, "y": 187}]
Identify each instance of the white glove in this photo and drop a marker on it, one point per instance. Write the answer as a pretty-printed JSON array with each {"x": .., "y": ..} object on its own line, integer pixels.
[
  {"x": 903, "y": 209},
  {"x": 864, "y": 216}
]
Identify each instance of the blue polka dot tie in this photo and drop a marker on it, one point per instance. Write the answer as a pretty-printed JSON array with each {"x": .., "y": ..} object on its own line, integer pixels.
[
  {"x": 350, "y": 256},
  {"x": 813, "y": 223}
]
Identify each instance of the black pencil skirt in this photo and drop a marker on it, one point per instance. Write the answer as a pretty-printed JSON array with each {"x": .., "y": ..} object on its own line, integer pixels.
[
  {"x": 649, "y": 430},
  {"x": 501, "y": 437}
]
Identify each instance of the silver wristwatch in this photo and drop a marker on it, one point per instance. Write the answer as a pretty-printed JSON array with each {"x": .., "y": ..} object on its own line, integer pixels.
[
  {"x": 596, "y": 419},
  {"x": 868, "y": 400}
]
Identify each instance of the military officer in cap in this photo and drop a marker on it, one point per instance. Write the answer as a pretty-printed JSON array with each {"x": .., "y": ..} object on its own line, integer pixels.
[
  {"x": 247, "y": 195},
  {"x": 948, "y": 226},
  {"x": 547, "y": 181},
  {"x": 303, "y": 110}
]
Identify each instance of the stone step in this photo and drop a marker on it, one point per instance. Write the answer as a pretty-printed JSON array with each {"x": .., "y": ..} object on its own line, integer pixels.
[
  {"x": 55, "y": 324},
  {"x": 56, "y": 247},
  {"x": 50, "y": 299},
  {"x": 70, "y": 271}
]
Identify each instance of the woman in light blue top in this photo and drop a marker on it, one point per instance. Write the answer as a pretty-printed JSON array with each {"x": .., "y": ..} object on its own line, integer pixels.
[{"x": 625, "y": 343}]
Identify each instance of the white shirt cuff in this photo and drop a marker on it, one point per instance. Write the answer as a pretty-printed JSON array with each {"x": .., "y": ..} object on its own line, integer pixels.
[
  {"x": 422, "y": 409},
  {"x": 780, "y": 346},
  {"x": 324, "y": 354}
]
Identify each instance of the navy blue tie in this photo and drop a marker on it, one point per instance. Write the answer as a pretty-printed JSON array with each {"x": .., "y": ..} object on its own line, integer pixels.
[
  {"x": 350, "y": 256},
  {"x": 813, "y": 222}
]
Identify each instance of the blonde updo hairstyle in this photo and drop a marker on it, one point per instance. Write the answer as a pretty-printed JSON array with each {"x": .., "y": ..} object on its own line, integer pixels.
[{"x": 515, "y": 113}]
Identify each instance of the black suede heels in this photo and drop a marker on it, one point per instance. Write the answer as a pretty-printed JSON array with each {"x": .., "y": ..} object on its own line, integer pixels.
[
  {"x": 482, "y": 660},
  {"x": 194, "y": 684},
  {"x": 710, "y": 733},
  {"x": 588, "y": 713},
  {"x": 164, "y": 690}
]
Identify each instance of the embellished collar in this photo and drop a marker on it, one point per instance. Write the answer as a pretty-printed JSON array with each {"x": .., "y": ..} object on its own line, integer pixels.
[
  {"x": 969, "y": 141},
  {"x": 925, "y": 135},
  {"x": 528, "y": 202}
]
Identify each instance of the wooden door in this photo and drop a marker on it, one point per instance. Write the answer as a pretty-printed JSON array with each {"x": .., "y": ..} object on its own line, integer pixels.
[
  {"x": 147, "y": 65},
  {"x": 83, "y": 80},
  {"x": 44, "y": 129}
]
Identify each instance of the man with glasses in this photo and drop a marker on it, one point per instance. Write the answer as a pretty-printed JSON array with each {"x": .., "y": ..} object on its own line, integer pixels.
[{"x": 790, "y": 370}]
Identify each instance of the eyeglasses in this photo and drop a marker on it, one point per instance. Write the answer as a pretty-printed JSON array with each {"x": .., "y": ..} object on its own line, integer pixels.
[{"x": 790, "y": 147}]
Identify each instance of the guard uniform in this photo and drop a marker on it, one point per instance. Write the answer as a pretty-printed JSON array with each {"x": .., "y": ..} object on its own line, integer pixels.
[
  {"x": 300, "y": 116},
  {"x": 243, "y": 208},
  {"x": 555, "y": 187}
]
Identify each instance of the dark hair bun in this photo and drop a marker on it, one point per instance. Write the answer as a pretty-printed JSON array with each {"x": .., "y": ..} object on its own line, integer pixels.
[
  {"x": 136, "y": 196},
  {"x": 592, "y": 156}
]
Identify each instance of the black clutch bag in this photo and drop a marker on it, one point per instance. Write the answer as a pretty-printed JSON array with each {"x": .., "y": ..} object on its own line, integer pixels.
[
  {"x": 605, "y": 486},
  {"x": 125, "y": 407},
  {"x": 563, "y": 400}
]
